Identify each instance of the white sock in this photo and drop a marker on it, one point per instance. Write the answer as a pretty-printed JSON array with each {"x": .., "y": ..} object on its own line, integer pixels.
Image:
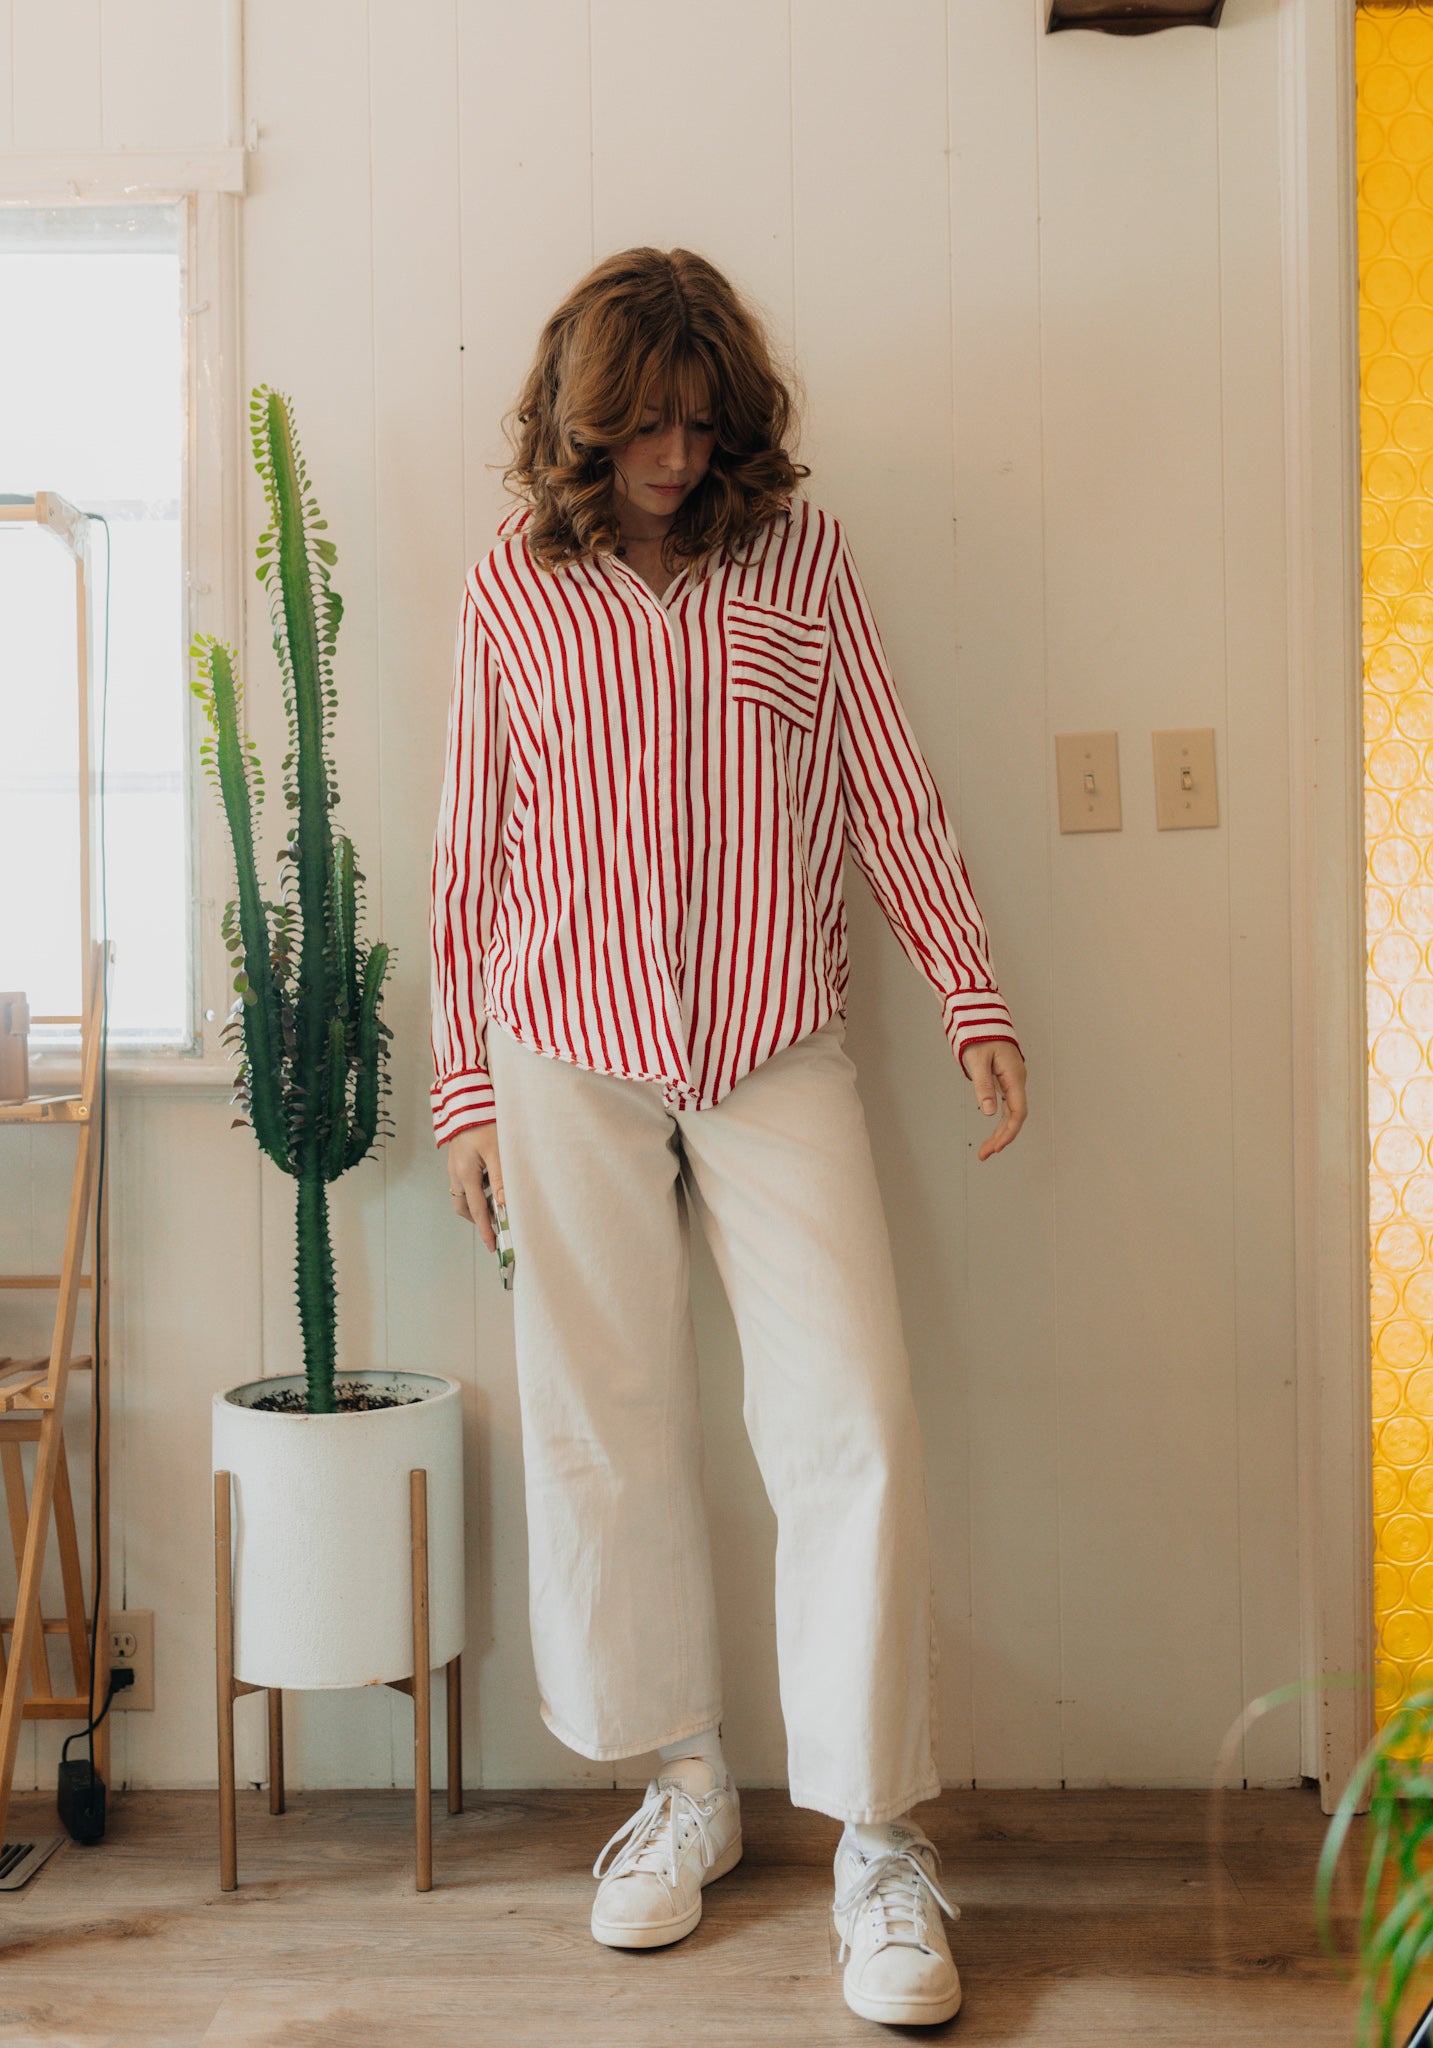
[
  {"x": 873, "y": 1837},
  {"x": 706, "y": 1745}
]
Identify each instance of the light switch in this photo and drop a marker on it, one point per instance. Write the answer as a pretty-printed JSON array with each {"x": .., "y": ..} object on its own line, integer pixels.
[
  {"x": 1087, "y": 770},
  {"x": 1185, "y": 793}
]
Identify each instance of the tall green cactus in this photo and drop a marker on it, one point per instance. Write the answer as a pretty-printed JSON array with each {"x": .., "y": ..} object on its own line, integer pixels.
[{"x": 308, "y": 1030}]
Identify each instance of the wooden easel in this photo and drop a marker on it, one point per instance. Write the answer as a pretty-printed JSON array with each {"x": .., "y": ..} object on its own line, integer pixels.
[
  {"x": 418, "y": 1688},
  {"x": 32, "y": 1410}
]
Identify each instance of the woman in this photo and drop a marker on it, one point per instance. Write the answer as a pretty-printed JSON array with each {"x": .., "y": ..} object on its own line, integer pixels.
[{"x": 670, "y": 713}]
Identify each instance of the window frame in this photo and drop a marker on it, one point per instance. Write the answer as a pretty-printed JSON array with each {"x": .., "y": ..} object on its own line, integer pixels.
[{"x": 212, "y": 558}]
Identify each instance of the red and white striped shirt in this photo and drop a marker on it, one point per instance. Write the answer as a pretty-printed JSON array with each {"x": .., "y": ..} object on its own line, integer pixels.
[{"x": 637, "y": 865}]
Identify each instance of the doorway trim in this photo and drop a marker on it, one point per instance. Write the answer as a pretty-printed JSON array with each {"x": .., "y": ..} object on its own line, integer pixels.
[{"x": 1318, "y": 160}]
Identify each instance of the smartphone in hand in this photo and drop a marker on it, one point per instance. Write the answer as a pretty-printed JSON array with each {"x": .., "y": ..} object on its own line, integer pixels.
[{"x": 498, "y": 1212}]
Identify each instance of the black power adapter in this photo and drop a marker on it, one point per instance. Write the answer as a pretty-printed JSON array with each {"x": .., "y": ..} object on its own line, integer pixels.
[
  {"x": 81, "y": 1796},
  {"x": 82, "y": 1800}
]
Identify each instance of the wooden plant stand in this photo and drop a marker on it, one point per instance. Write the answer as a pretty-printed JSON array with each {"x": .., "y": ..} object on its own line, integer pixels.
[{"x": 418, "y": 1688}]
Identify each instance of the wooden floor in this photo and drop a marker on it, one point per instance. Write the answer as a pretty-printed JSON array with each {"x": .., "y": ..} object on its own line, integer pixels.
[{"x": 1088, "y": 1919}]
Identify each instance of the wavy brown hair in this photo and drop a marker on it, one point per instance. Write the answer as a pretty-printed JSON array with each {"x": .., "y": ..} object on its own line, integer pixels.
[{"x": 650, "y": 327}]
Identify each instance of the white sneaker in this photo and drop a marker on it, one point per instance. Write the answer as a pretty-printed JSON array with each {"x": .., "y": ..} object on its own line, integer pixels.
[
  {"x": 900, "y": 1970},
  {"x": 685, "y": 1834}
]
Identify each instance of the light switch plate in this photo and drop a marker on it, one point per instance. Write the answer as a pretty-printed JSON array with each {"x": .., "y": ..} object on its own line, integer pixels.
[
  {"x": 1185, "y": 791},
  {"x": 1087, "y": 771}
]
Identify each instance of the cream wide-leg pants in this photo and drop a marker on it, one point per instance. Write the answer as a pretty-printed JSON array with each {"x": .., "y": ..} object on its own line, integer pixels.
[{"x": 599, "y": 1176}]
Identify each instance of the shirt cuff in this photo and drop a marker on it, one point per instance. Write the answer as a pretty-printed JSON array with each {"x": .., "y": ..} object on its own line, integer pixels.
[
  {"x": 975, "y": 1016},
  {"x": 460, "y": 1101}
]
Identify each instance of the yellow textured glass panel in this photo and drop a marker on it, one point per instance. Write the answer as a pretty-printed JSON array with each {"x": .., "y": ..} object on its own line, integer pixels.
[
  {"x": 1395, "y": 207},
  {"x": 1399, "y": 1247},
  {"x": 1413, "y": 906},
  {"x": 1406, "y": 1636},
  {"x": 1394, "y": 765},
  {"x": 1397, "y": 1153},
  {"x": 1385, "y": 188},
  {"x": 1390, "y": 475},
  {"x": 1411, "y": 237},
  {"x": 1403, "y": 1440},
  {"x": 1412, "y": 525},
  {"x": 1385, "y": 1297},
  {"x": 1410, "y": 331},
  {"x": 1388, "y": 380},
  {"x": 1395, "y": 959},
  {"x": 1387, "y": 1492},
  {"x": 1401, "y": 1345},
  {"x": 1408, "y": 41},
  {"x": 1386, "y": 88},
  {"x": 1415, "y": 1007},
  {"x": 1394, "y": 861},
  {"x": 1410, "y": 137},
  {"x": 1396, "y": 1055},
  {"x": 1406, "y": 1538},
  {"x": 1411, "y": 424},
  {"x": 1388, "y": 1587}
]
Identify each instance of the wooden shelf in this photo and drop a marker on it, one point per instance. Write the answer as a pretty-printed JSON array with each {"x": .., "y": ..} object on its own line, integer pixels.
[{"x": 46, "y": 1109}]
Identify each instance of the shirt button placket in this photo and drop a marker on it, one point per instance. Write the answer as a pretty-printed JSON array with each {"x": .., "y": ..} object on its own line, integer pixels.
[{"x": 670, "y": 724}]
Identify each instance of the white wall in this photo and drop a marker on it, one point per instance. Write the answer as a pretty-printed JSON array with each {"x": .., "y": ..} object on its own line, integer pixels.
[{"x": 1032, "y": 285}]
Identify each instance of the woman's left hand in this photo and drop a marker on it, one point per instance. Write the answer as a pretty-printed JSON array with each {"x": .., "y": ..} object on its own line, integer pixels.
[{"x": 996, "y": 1068}]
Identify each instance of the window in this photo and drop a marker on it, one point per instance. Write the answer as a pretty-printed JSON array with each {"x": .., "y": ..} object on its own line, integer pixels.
[{"x": 93, "y": 367}]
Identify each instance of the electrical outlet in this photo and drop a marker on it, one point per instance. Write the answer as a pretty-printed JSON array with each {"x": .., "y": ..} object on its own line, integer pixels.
[{"x": 131, "y": 1642}]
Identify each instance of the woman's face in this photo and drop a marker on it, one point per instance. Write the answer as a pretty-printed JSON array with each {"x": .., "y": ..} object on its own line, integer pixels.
[{"x": 661, "y": 466}]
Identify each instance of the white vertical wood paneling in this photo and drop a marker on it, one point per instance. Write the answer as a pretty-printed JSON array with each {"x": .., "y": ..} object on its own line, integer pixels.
[
  {"x": 1258, "y": 826},
  {"x": 1011, "y": 1334},
  {"x": 7, "y": 106},
  {"x": 162, "y": 72},
  {"x": 189, "y": 1278},
  {"x": 526, "y": 236},
  {"x": 872, "y": 278},
  {"x": 55, "y": 53},
  {"x": 308, "y": 330},
  {"x": 1033, "y": 289},
  {"x": 418, "y": 469},
  {"x": 1140, "y": 948},
  {"x": 525, "y": 163},
  {"x": 715, "y": 178}
]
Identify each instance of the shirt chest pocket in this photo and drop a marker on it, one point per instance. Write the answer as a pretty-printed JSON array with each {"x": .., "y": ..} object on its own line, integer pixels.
[{"x": 775, "y": 660}]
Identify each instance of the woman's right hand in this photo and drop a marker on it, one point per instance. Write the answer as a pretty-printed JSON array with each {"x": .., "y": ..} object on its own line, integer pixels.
[{"x": 468, "y": 1153}]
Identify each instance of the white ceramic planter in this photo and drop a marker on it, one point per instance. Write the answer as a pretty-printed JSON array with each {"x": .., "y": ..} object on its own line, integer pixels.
[{"x": 322, "y": 1546}]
